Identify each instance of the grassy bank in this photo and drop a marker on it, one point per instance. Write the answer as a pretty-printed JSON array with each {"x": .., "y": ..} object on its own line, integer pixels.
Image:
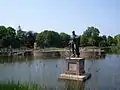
[
  {"x": 113, "y": 50},
  {"x": 18, "y": 86}
]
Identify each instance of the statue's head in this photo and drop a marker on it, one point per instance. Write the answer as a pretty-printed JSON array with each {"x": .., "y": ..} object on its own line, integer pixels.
[{"x": 73, "y": 32}]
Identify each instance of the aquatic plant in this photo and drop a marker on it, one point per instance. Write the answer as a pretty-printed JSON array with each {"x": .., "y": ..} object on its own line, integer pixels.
[{"x": 19, "y": 86}]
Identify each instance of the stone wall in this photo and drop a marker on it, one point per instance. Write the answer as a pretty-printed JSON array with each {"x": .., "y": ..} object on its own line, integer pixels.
[{"x": 63, "y": 54}]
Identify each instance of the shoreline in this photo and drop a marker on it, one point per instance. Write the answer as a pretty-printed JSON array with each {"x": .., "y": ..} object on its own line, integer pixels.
[{"x": 85, "y": 52}]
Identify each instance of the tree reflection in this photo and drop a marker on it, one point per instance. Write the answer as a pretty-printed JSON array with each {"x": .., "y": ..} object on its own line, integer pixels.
[{"x": 74, "y": 85}]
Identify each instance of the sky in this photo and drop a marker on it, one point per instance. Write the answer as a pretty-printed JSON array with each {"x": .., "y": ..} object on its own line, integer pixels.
[{"x": 62, "y": 15}]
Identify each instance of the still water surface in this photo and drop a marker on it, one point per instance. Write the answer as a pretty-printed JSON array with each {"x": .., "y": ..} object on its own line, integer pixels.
[{"x": 105, "y": 72}]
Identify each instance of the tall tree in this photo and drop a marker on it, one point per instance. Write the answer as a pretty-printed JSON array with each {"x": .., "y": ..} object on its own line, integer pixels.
[
  {"x": 83, "y": 41},
  {"x": 21, "y": 36},
  {"x": 31, "y": 37},
  {"x": 91, "y": 36},
  {"x": 102, "y": 41},
  {"x": 117, "y": 39},
  {"x": 3, "y": 36},
  {"x": 48, "y": 39},
  {"x": 65, "y": 38},
  {"x": 11, "y": 36},
  {"x": 110, "y": 40}
]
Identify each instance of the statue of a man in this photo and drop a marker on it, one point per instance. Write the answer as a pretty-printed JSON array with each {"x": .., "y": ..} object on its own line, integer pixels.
[{"x": 75, "y": 42}]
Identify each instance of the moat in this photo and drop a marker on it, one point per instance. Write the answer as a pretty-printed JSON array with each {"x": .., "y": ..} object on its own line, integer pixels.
[{"x": 105, "y": 72}]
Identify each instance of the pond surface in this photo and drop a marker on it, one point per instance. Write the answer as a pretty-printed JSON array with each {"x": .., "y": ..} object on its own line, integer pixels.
[{"x": 105, "y": 73}]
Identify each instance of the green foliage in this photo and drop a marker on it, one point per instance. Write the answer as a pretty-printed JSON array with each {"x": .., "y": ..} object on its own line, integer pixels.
[
  {"x": 83, "y": 41},
  {"x": 115, "y": 50},
  {"x": 48, "y": 39},
  {"x": 103, "y": 41},
  {"x": 9, "y": 37},
  {"x": 110, "y": 41},
  {"x": 3, "y": 36},
  {"x": 91, "y": 32},
  {"x": 117, "y": 39},
  {"x": 18, "y": 86},
  {"x": 30, "y": 39},
  {"x": 65, "y": 38},
  {"x": 21, "y": 35},
  {"x": 90, "y": 37}
]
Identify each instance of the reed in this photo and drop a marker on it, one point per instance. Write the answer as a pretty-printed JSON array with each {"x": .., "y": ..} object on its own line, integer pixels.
[{"x": 19, "y": 86}]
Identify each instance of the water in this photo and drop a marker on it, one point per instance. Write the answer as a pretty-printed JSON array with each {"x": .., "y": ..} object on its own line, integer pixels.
[{"x": 105, "y": 72}]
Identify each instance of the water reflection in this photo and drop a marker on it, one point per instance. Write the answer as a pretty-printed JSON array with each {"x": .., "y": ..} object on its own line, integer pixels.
[
  {"x": 103, "y": 56},
  {"x": 14, "y": 59},
  {"x": 21, "y": 59},
  {"x": 105, "y": 72},
  {"x": 74, "y": 85}
]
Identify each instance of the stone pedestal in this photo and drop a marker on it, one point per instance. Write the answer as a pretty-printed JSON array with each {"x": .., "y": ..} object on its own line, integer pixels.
[
  {"x": 75, "y": 66},
  {"x": 75, "y": 70}
]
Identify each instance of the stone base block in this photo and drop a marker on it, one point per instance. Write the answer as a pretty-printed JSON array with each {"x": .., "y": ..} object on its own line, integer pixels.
[{"x": 75, "y": 77}]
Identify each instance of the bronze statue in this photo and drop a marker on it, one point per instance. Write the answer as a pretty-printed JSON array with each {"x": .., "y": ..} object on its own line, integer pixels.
[{"x": 74, "y": 44}]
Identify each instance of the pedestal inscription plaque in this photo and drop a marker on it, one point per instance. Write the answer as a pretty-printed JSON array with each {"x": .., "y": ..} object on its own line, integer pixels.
[{"x": 72, "y": 67}]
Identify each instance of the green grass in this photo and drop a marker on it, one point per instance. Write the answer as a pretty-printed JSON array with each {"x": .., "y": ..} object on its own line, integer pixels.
[{"x": 18, "y": 86}]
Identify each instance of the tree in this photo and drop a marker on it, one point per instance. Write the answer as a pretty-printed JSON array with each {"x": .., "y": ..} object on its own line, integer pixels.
[
  {"x": 65, "y": 38},
  {"x": 48, "y": 39},
  {"x": 3, "y": 34},
  {"x": 117, "y": 40},
  {"x": 11, "y": 36},
  {"x": 21, "y": 36},
  {"x": 31, "y": 37},
  {"x": 102, "y": 41},
  {"x": 7, "y": 37},
  {"x": 83, "y": 40},
  {"x": 90, "y": 36},
  {"x": 110, "y": 40}
]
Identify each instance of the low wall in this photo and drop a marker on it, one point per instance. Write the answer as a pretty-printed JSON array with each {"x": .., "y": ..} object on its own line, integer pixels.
[
  {"x": 63, "y": 54},
  {"x": 48, "y": 54},
  {"x": 91, "y": 54}
]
